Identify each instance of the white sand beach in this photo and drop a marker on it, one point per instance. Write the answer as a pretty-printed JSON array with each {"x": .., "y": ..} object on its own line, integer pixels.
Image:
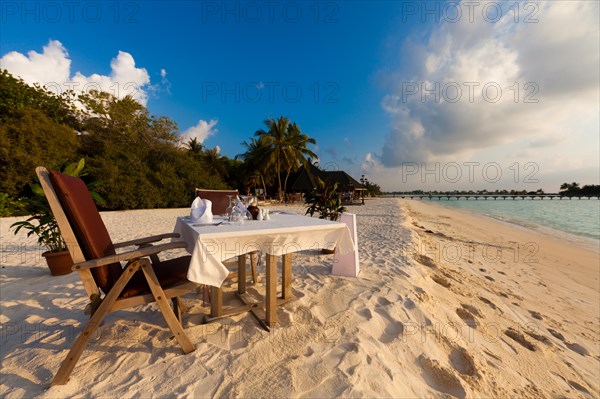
[{"x": 446, "y": 303}]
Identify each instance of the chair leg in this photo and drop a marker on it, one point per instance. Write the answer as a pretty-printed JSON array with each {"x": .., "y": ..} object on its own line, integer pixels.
[
  {"x": 182, "y": 306},
  {"x": 178, "y": 308},
  {"x": 62, "y": 376},
  {"x": 161, "y": 301}
]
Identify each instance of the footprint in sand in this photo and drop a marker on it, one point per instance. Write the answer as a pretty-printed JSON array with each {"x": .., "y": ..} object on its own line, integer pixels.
[
  {"x": 409, "y": 304},
  {"x": 441, "y": 378},
  {"x": 365, "y": 313},
  {"x": 393, "y": 328},
  {"x": 425, "y": 261},
  {"x": 520, "y": 339},
  {"x": 482, "y": 270},
  {"x": 441, "y": 281},
  {"x": 536, "y": 315},
  {"x": 463, "y": 362},
  {"x": 556, "y": 334},
  {"x": 490, "y": 354},
  {"x": 579, "y": 387},
  {"x": 392, "y": 331},
  {"x": 571, "y": 345},
  {"x": 539, "y": 337},
  {"x": 489, "y": 303},
  {"x": 577, "y": 348},
  {"x": 468, "y": 317},
  {"x": 473, "y": 310},
  {"x": 383, "y": 302},
  {"x": 490, "y": 278},
  {"x": 421, "y": 294}
]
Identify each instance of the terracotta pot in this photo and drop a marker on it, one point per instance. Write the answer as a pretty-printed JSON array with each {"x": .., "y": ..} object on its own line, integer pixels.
[{"x": 60, "y": 263}]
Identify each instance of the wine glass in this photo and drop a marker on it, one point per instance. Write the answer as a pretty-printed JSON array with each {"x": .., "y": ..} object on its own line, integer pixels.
[
  {"x": 246, "y": 200},
  {"x": 229, "y": 210}
]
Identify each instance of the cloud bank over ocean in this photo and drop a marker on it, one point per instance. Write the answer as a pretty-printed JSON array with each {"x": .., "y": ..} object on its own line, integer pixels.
[{"x": 527, "y": 78}]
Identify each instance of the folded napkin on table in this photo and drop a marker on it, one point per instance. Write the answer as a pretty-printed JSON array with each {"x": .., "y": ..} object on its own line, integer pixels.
[{"x": 201, "y": 211}]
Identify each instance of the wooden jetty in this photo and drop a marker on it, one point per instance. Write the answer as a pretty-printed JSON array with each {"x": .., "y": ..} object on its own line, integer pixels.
[{"x": 492, "y": 196}]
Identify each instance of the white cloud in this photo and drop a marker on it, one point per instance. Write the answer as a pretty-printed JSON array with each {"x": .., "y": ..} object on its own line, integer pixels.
[
  {"x": 201, "y": 131},
  {"x": 558, "y": 57},
  {"x": 369, "y": 163},
  {"x": 163, "y": 73},
  {"x": 52, "y": 69},
  {"x": 52, "y": 65}
]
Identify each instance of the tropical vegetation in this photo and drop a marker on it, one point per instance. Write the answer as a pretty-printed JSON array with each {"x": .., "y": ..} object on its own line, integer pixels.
[
  {"x": 285, "y": 148},
  {"x": 42, "y": 222},
  {"x": 325, "y": 200},
  {"x": 574, "y": 190},
  {"x": 138, "y": 160}
]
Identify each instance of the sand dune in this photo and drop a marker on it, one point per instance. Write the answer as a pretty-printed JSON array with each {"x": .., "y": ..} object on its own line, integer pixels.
[{"x": 447, "y": 303}]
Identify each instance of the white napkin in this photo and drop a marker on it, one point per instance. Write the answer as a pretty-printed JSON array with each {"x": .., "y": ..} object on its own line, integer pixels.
[{"x": 201, "y": 211}]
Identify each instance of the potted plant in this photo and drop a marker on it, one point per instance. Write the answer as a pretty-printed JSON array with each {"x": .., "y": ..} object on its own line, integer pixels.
[
  {"x": 43, "y": 224},
  {"x": 326, "y": 202}
]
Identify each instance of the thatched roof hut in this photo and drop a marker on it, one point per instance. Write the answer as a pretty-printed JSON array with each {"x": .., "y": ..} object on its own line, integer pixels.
[{"x": 306, "y": 180}]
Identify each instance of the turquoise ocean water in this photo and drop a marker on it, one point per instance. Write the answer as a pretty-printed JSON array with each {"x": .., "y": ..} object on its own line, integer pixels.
[{"x": 574, "y": 217}]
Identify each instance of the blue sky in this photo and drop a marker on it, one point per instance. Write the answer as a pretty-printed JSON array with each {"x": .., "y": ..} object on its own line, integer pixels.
[{"x": 346, "y": 72}]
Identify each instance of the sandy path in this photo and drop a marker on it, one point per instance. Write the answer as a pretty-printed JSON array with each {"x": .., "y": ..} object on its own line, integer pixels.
[{"x": 417, "y": 322}]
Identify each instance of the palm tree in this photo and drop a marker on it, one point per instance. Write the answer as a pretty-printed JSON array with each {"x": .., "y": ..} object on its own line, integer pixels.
[
  {"x": 297, "y": 152},
  {"x": 194, "y": 147},
  {"x": 287, "y": 147},
  {"x": 256, "y": 163},
  {"x": 215, "y": 162}
]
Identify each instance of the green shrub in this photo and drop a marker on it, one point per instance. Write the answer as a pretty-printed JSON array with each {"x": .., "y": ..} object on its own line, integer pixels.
[{"x": 10, "y": 206}]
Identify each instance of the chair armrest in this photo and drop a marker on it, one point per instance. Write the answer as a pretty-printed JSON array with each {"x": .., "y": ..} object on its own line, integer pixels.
[
  {"x": 127, "y": 256},
  {"x": 146, "y": 240}
]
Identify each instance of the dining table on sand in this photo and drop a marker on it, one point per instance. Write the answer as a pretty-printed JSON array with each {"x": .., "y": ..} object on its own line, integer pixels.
[{"x": 211, "y": 244}]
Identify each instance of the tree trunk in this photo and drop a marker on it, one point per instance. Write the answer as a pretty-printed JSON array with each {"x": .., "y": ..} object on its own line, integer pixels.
[
  {"x": 264, "y": 185},
  {"x": 286, "y": 180},
  {"x": 279, "y": 179}
]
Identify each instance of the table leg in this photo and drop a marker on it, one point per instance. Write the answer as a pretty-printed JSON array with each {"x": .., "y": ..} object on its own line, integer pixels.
[
  {"x": 216, "y": 302},
  {"x": 242, "y": 274},
  {"x": 253, "y": 261},
  {"x": 271, "y": 297},
  {"x": 286, "y": 280}
]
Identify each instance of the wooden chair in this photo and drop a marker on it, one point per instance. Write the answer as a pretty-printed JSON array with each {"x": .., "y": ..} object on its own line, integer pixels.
[
  {"x": 144, "y": 279},
  {"x": 219, "y": 199},
  {"x": 220, "y": 202}
]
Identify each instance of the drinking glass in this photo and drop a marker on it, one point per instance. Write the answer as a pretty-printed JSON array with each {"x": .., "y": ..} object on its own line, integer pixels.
[{"x": 230, "y": 207}]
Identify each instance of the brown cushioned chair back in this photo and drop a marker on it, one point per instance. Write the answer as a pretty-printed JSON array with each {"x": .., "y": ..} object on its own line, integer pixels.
[
  {"x": 219, "y": 199},
  {"x": 88, "y": 226}
]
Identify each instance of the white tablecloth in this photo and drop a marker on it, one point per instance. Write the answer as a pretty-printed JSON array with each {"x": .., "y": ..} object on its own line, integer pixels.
[{"x": 283, "y": 233}]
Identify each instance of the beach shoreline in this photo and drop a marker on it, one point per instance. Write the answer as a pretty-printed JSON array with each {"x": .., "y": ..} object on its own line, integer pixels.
[
  {"x": 584, "y": 241},
  {"x": 500, "y": 320}
]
